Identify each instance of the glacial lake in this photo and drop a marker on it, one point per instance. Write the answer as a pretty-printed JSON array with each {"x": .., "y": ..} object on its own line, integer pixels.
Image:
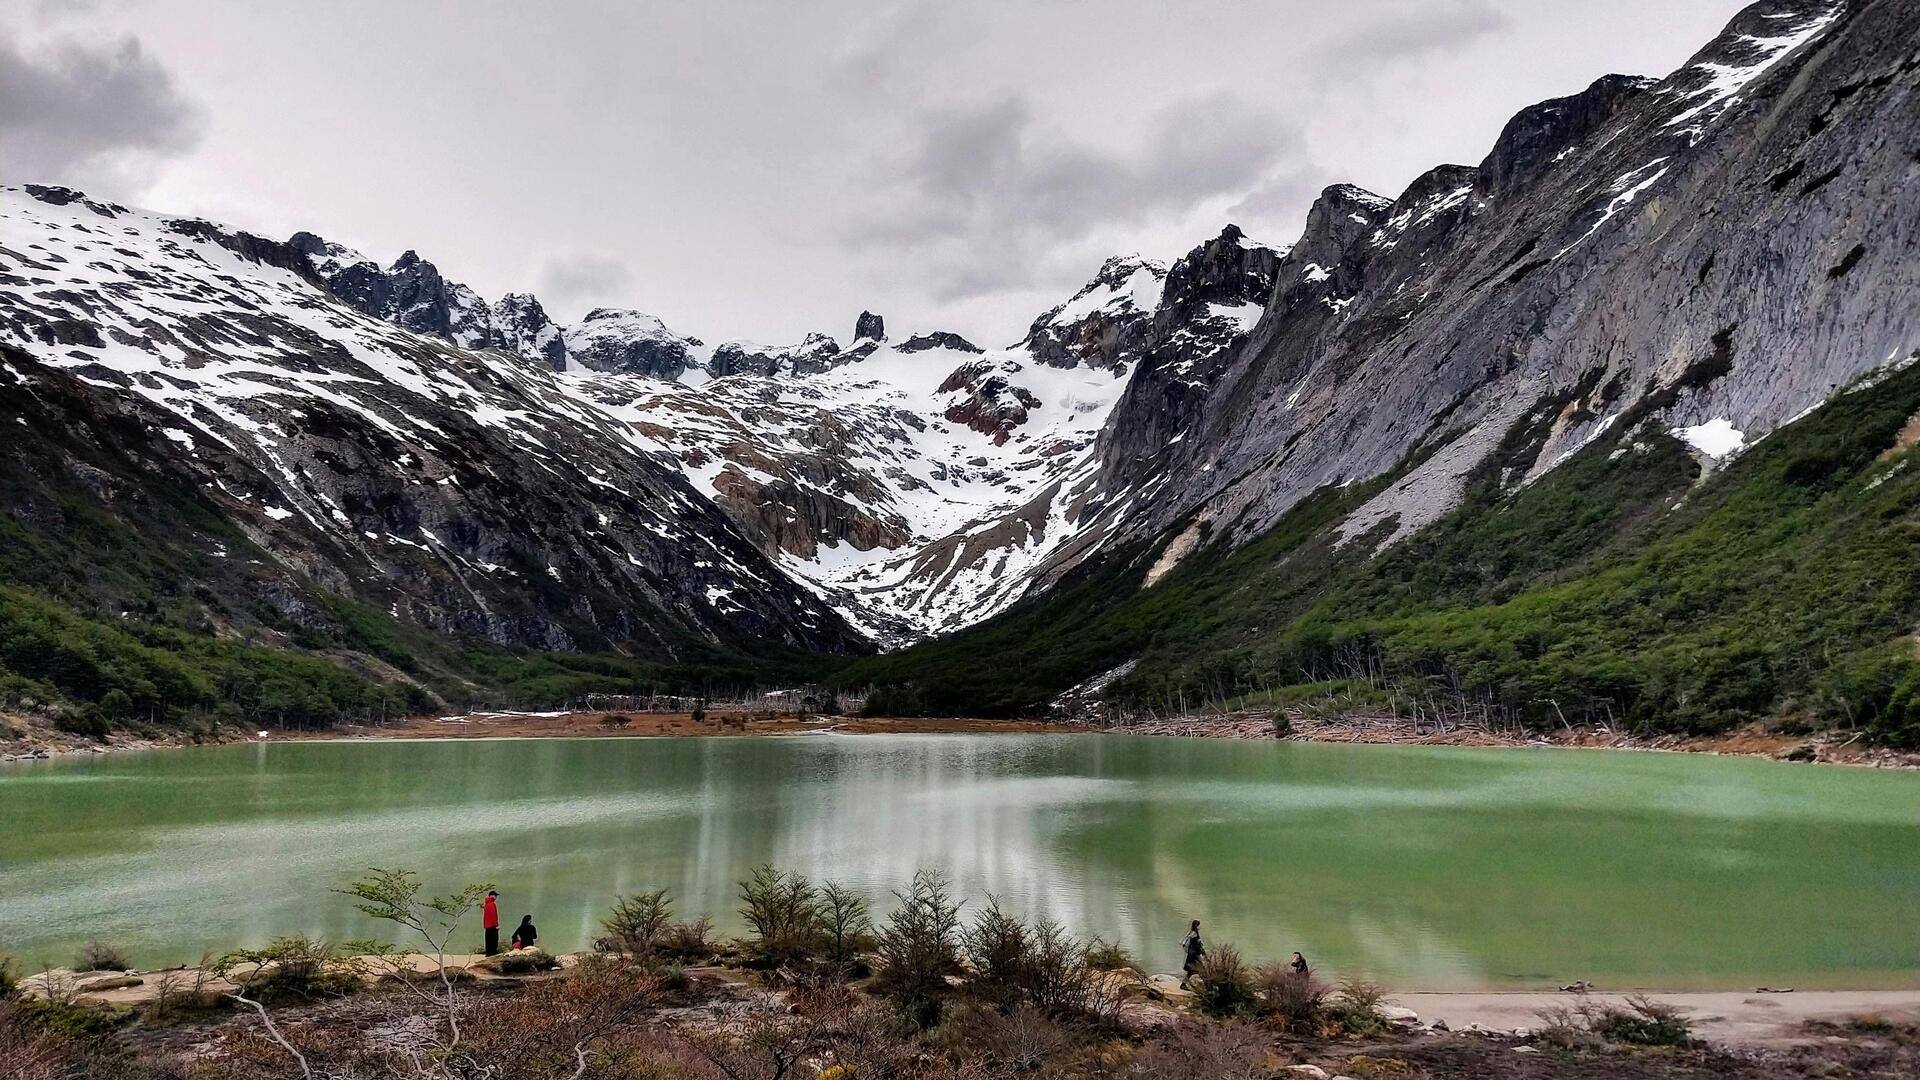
[{"x": 1428, "y": 868}]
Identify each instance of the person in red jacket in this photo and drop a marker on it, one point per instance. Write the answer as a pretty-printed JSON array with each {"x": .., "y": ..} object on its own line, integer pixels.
[{"x": 490, "y": 921}]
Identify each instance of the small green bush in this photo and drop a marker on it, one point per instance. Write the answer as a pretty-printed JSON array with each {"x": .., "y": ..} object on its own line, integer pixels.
[
  {"x": 783, "y": 910},
  {"x": 1356, "y": 1006},
  {"x": 638, "y": 920},
  {"x": 996, "y": 948},
  {"x": 73, "y": 1019},
  {"x": 1589, "y": 1025},
  {"x": 517, "y": 962},
  {"x": 291, "y": 969},
  {"x": 919, "y": 948},
  {"x": 1111, "y": 956},
  {"x": 1643, "y": 1022}
]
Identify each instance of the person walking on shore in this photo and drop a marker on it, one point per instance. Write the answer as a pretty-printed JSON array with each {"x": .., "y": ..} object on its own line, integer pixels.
[
  {"x": 1194, "y": 950},
  {"x": 525, "y": 935},
  {"x": 490, "y": 921}
]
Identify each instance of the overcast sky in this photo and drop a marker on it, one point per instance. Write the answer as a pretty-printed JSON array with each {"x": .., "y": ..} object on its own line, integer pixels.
[{"x": 760, "y": 169}]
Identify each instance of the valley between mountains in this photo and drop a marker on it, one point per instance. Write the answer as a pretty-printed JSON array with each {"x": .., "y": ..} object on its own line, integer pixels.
[{"x": 1614, "y": 426}]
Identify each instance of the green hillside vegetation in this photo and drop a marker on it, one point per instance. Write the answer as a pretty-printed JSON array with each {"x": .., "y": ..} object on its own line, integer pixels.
[{"x": 1621, "y": 586}]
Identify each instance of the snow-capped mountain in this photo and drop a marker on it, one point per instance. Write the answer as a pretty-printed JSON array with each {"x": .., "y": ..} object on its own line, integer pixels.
[
  {"x": 386, "y": 458},
  {"x": 913, "y": 482},
  {"x": 1713, "y": 252}
]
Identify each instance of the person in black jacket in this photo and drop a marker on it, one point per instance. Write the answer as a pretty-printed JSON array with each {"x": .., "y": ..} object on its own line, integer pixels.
[{"x": 525, "y": 935}]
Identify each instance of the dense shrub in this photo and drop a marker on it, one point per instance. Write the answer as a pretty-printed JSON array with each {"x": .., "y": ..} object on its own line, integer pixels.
[{"x": 1111, "y": 956}]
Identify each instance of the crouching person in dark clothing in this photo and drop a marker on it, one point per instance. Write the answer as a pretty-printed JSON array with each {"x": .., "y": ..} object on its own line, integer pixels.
[{"x": 525, "y": 935}]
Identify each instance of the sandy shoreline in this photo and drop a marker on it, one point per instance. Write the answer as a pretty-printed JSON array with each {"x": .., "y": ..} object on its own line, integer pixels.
[{"x": 40, "y": 742}]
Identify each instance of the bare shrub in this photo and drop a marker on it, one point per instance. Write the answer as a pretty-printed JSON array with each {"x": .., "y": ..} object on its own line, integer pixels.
[
  {"x": 185, "y": 994},
  {"x": 862, "y": 1036},
  {"x": 100, "y": 956},
  {"x": 1295, "y": 999},
  {"x": 1025, "y": 1040},
  {"x": 761, "y": 1038},
  {"x": 1566, "y": 1027},
  {"x": 553, "y": 1028},
  {"x": 1195, "y": 1051},
  {"x": 687, "y": 942},
  {"x": 1226, "y": 985}
]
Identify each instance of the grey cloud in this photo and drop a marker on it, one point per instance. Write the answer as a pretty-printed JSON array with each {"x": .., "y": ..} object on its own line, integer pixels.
[
  {"x": 987, "y": 190},
  {"x": 576, "y": 281},
  {"x": 883, "y": 52},
  {"x": 1279, "y": 201},
  {"x": 91, "y": 113},
  {"x": 1439, "y": 26}
]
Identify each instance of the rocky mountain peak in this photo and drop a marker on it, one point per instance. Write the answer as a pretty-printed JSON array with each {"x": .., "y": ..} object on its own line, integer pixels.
[
  {"x": 1541, "y": 134},
  {"x": 1104, "y": 321},
  {"x": 521, "y": 326},
  {"x": 1227, "y": 274},
  {"x": 626, "y": 342},
  {"x": 939, "y": 339},
  {"x": 1338, "y": 218},
  {"x": 869, "y": 327}
]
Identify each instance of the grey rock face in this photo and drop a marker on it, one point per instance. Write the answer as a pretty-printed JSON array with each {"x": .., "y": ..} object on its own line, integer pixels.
[
  {"x": 869, "y": 327},
  {"x": 1731, "y": 243},
  {"x": 1213, "y": 296},
  {"x": 1539, "y": 133}
]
